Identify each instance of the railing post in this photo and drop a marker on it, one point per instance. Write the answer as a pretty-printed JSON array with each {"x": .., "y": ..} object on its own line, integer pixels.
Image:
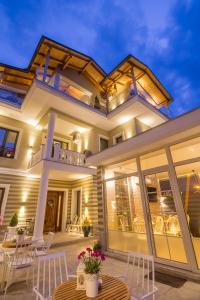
[
  {"x": 47, "y": 58},
  {"x": 134, "y": 91},
  {"x": 57, "y": 81}
]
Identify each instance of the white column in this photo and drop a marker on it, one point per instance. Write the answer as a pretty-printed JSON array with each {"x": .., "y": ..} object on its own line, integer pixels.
[
  {"x": 41, "y": 206},
  {"x": 50, "y": 134}
]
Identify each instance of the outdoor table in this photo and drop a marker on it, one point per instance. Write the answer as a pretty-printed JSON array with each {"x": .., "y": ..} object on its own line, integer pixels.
[{"x": 111, "y": 289}]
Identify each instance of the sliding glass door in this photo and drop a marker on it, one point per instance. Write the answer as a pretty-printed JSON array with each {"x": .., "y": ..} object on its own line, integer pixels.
[{"x": 166, "y": 231}]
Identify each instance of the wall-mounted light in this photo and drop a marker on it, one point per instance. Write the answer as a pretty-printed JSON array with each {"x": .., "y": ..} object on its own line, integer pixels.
[{"x": 76, "y": 137}]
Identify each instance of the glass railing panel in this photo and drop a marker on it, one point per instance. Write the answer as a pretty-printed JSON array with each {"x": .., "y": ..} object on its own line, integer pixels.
[{"x": 11, "y": 97}]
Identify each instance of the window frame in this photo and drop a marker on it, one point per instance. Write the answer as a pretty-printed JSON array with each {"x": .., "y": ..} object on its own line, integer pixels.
[
  {"x": 5, "y": 198},
  {"x": 17, "y": 140},
  {"x": 105, "y": 138},
  {"x": 117, "y": 136}
]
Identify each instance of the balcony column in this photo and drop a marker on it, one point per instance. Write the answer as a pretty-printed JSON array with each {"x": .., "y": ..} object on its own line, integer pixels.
[
  {"x": 41, "y": 206},
  {"x": 134, "y": 91},
  {"x": 50, "y": 134}
]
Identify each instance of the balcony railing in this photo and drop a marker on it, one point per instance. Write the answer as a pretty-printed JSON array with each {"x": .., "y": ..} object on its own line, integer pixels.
[
  {"x": 74, "y": 90},
  {"x": 11, "y": 97},
  {"x": 59, "y": 155}
]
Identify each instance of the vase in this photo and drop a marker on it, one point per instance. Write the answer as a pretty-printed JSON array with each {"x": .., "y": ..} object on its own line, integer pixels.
[{"x": 91, "y": 285}]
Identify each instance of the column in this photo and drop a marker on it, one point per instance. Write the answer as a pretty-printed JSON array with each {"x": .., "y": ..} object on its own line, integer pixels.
[
  {"x": 41, "y": 206},
  {"x": 50, "y": 134}
]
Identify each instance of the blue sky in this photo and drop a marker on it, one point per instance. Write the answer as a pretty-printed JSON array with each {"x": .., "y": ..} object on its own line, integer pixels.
[{"x": 163, "y": 34}]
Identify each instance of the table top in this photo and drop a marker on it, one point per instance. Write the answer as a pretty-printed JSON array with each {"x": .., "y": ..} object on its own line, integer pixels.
[{"x": 111, "y": 289}]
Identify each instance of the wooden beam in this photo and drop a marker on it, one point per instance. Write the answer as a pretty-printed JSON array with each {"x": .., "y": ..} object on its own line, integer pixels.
[
  {"x": 85, "y": 67},
  {"x": 58, "y": 61},
  {"x": 14, "y": 82},
  {"x": 18, "y": 76},
  {"x": 66, "y": 61},
  {"x": 46, "y": 65},
  {"x": 38, "y": 65}
]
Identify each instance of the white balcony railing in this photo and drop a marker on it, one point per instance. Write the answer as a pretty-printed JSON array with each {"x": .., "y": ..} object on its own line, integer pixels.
[{"x": 59, "y": 155}]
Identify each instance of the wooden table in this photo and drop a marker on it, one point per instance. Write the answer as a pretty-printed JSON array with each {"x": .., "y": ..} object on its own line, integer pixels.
[{"x": 111, "y": 289}]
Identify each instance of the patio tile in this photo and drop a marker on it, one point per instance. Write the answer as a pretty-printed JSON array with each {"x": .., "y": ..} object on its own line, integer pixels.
[{"x": 189, "y": 291}]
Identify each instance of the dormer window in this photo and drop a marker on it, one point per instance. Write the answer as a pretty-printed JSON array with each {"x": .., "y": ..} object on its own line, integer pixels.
[{"x": 8, "y": 142}]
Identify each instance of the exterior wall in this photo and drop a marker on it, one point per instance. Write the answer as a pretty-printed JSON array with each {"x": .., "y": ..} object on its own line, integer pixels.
[
  {"x": 27, "y": 137},
  {"x": 89, "y": 198},
  {"x": 128, "y": 129},
  {"x": 90, "y": 139},
  {"x": 140, "y": 126},
  {"x": 23, "y": 196}
]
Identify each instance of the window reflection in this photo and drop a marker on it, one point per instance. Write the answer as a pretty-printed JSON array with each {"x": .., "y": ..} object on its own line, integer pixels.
[
  {"x": 164, "y": 219},
  {"x": 153, "y": 159},
  {"x": 125, "y": 215},
  {"x": 186, "y": 150},
  {"x": 189, "y": 185},
  {"x": 121, "y": 169}
]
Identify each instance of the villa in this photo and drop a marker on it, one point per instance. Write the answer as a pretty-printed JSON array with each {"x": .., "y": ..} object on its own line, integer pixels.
[{"x": 76, "y": 143}]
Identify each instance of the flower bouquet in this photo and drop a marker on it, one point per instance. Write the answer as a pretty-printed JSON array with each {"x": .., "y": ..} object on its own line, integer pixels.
[{"x": 92, "y": 260}]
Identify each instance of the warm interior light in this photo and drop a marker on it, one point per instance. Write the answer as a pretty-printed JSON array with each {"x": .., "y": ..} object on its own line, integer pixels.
[
  {"x": 22, "y": 211},
  {"x": 32, "y": 122}
]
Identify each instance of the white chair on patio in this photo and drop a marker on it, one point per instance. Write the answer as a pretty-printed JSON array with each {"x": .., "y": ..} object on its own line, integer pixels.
[
  {"x": 140, "y": 276},
  {"x": 51, "y": 271},
  {"x": 21, "y": 260},
  {"x": 42, "y": 249}
]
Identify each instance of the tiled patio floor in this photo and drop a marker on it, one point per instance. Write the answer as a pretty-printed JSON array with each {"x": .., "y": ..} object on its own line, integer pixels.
[{"x": 189, "y": 291}]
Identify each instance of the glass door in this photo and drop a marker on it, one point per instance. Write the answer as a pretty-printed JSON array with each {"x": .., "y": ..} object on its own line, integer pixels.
[{"x": 166, "y": 231}]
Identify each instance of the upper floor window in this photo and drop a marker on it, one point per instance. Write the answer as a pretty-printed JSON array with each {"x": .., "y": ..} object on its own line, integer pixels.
[
  {"x": 117, "y": 139},
  {"x": 103, "y": 143},
  {"x": 8, "y": 142}
]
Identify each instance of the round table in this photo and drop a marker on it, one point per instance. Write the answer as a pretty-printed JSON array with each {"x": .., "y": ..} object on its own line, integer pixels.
[{"x": 111, "y": 289}]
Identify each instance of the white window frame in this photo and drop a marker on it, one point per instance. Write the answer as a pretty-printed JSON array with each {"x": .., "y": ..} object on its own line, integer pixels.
[
  {"x": 5, "y": 197},
  {"x": 20, "y": 130},
  {"x": 103, "y": 137},
  {"x": 73, "y": 197},
  {"x": 118, "y": 135}
]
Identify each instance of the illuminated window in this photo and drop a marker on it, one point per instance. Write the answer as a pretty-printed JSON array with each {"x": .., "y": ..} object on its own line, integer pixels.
[{"x": 8, "y": 142}]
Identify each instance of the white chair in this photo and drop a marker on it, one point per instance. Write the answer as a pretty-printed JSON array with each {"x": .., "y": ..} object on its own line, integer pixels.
[
  {"x": 137, "y": 276},
  {"x": 51, "y": 271},
  {"x": 42, "y": 249},
  {"x": 21, "y": 259}
]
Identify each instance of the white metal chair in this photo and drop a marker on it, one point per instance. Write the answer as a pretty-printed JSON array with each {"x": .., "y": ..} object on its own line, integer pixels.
[
  {"x": 137, "y": 276},
  {"x": 21, "y": 259},
  {"x": 51, "y": 271},
  {"x": 42, "y": 249}
]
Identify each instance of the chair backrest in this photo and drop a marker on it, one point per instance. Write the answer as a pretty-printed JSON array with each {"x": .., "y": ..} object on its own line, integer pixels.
[
  {"x": 138, "y": 276},
  {"x": 51, "y": 271},
  {"x": 23, "y": 255}
]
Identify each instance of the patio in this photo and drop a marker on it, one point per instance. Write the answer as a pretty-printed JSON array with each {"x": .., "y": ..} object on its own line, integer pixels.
[{"x": 189, "y": 290}]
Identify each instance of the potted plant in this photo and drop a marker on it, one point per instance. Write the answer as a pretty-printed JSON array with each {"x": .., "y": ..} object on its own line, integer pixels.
[
  {"x": 13, "y": 224},
  {"x": 86, "y": 226},
  {"x": 92, "y": 266},
  {"x": 97, "y": 246}
]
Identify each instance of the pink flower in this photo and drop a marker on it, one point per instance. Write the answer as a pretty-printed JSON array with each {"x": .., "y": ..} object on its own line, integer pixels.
[
  {"x": 88, "y": 249},
  {"x": 103, "y": 257}
]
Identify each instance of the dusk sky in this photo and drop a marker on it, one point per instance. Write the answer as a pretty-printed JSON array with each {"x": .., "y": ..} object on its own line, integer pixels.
[{"x": 163, "y": 34}]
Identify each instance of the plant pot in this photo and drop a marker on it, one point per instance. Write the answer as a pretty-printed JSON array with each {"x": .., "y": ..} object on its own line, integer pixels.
[
  {"x": 86, "y": 231},
  {"x": 12, "y": 231},
  {"x": 91, "y": 285}
]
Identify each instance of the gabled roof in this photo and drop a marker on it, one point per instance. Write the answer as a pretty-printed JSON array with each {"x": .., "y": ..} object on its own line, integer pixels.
[{"x": 65, "y": 57}]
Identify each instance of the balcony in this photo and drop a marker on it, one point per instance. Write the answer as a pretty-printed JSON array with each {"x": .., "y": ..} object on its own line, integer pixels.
[
  {"x": 59, "y": 155},
  {"x": 106, "y": 106}
]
